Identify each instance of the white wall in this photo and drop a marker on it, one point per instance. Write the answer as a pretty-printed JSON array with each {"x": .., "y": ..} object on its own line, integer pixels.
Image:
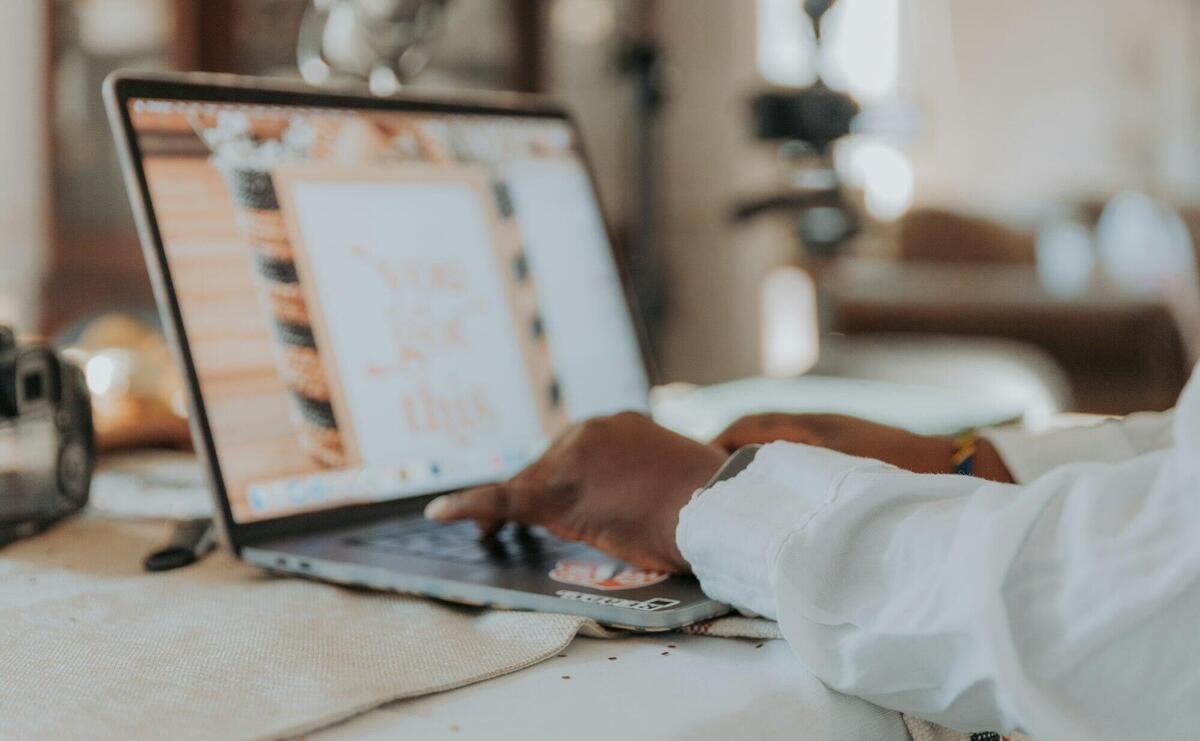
[
  {"x": 23, "y": 171},
  {"x": 709, "y": 162},
  {"x": 1031, "y": 101},
  {"x": 1026, "y": 103},
  {"x": 586, "y": 78}
]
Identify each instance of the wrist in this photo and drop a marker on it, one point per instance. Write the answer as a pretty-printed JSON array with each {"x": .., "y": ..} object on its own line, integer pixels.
[
  {"x": 931, "y": 454},
  {"x": 940, "y": 454},
  {"x": 989, "y": 465}
]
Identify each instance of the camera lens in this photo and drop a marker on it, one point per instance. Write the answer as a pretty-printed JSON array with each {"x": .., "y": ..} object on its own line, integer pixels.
[
  {"x": 33, "y": 387},
  {"x": 32, "y": 381}
]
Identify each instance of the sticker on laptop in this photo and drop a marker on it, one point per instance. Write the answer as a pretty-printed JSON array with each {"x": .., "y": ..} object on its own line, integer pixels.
[
  {"x": 605, "y": 576},
  {"x": 648, "y": 605}
]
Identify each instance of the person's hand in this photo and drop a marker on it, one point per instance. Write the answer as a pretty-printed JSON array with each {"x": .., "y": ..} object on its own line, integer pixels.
[
  {"x": 616, "y": 483},
  {"x": 846, "y": 435},
  {"x": 917, "y": 453}
]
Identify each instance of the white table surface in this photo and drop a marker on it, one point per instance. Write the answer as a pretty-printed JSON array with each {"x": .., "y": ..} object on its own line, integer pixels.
[{"x": 704, "y": 688}]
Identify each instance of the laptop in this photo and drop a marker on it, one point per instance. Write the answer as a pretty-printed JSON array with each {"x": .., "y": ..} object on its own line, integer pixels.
[{"x": 377, "y": 301}]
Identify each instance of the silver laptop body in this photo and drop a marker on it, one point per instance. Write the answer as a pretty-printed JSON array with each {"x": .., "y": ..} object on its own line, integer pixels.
[{"x": 376, "y": 301}]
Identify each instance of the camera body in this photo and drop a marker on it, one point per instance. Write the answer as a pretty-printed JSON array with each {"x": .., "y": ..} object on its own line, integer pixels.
[{"x": 47, "y": 442}]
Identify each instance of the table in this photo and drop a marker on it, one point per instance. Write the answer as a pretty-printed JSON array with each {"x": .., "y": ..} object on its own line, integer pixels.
[
  {"x": 702, "y": 688},
  {"x": 1122, "y": 353},
  {"x": 670, "y": 685}
]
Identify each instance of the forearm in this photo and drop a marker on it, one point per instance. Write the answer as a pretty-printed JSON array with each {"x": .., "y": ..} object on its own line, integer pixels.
[
  {"x": 935, "y": 454},
  {"x": 989, "y": 465},
  {"x": 1014, "y": 455},
  {"x": 976, "y": 604},
  {"x": 1027, "y": 456}
]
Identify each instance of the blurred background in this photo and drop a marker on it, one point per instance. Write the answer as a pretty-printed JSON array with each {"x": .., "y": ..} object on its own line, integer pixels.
[{"x": 999, "y": 198}]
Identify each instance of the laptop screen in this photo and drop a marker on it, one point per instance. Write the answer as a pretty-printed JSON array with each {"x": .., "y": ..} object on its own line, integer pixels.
[{"x": 383, "y": 304}]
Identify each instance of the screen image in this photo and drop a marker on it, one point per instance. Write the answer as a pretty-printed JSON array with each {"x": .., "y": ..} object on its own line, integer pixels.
[{"x": 383, "y": 304}]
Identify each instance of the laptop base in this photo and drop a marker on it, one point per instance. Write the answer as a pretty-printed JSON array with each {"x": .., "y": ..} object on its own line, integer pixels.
[{"x": 568, "y": 578}]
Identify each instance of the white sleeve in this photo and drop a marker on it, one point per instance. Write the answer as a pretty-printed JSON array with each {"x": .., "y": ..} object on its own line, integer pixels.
[
  {"x": 1066, "y": 607},
  {"x": 1029, "y": 455}
]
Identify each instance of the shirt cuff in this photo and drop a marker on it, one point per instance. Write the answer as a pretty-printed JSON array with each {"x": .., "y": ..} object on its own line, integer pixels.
[
  {"x": 1028, "y": 456},
  {"x": 732, "y": 533}
]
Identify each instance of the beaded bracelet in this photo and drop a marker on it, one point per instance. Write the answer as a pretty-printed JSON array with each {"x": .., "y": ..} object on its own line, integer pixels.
[{"x": 964, "y": 454}]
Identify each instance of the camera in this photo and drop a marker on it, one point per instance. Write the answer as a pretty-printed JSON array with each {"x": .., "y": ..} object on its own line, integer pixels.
[{"x": 47, "y": 442}]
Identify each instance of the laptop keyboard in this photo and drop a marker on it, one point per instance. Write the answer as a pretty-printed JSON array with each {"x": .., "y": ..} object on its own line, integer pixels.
[{"x": 459, "y": 541}]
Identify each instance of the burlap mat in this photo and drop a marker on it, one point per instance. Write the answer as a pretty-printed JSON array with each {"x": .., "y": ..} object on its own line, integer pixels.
[
  {"x": 92, "y": 647},
  {"x": 923, "y": 730}
]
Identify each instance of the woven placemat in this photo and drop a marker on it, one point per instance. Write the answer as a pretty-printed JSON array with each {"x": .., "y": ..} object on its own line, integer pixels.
[{"x": 92, "y": 647}]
